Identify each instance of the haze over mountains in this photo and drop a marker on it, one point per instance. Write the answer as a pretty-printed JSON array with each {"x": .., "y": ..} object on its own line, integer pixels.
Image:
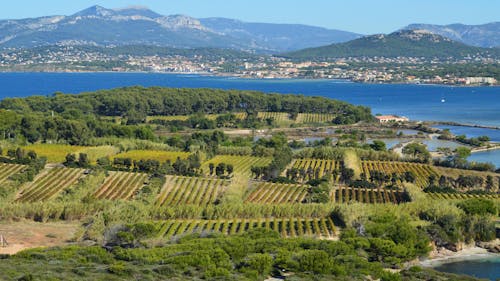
[{"x": 140, "y": 26}]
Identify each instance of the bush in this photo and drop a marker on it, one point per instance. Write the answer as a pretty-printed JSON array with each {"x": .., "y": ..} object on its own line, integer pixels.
[{"x": 478, "y": 206}]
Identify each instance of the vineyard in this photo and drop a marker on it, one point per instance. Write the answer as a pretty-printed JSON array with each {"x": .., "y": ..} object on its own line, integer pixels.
[
  {"x": 292, "y": 227},
  {"x": 48, "y": 184},
  {"x": 158, "y": 155},
  {"x": 315, "y": 168},
  {"x": 241, "y": 164},
  {"x": 7, "y": 170},
  {"x": 190, "y": 190},
  {"x": 366, "y": 195},
  {"x": 274, "y": 193},
  {"x": 421, "y": 171},
  {"x": 56, "y": 153},
  {"x": 314, "y": 118},
  {"x": 276, "y": 116},
  {"x": 461, "y": 196},
  {"x": 121, "y": 185}
]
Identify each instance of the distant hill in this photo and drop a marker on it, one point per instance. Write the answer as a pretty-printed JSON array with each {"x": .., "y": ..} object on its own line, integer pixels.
[
  {"x": 278, "y": 36},
  {"x": 140, "y": 26},
  {"x": 405, "y": 43},
  {"x": 484, "y": 35}
]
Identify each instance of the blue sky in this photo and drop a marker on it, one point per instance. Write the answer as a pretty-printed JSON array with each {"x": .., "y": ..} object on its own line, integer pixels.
[{"x": 362, "y": 16}]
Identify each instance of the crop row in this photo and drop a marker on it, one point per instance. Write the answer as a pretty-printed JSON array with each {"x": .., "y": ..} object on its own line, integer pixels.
[
  {"x": 121, "y": 185},
  {"x": 314, "y": 118},
  {"x": 275, "y": 193},
  {"x": 7, "y": 170},
  {"x": 316, "y": 168},
  {"x": 421, "y": 171},
  {"x": 190, "y": 190},
  {"x": 291, "y": 227},
  {"x": 48, "y": 184},
  {"x": 459, "y": 196},
  {"x": 277, "y": 116},
  {"x": 241, "y": 164},
  {"x": 366, "y": 195}
]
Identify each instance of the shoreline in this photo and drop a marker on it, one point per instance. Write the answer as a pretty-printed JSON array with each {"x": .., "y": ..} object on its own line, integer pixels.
[
  {"x": 238, "y": 76},
  {"x": 467, "y": 254}
]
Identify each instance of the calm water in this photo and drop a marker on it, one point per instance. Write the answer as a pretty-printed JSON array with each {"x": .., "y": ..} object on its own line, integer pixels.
[
  {"x": 481, "y": 268},
  {"x": 478, "y": 105},
  {"x": 471, "y": 132}
]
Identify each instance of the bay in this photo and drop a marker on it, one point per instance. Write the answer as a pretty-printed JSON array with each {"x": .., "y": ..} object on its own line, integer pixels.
[
  {"x": 488, "y": 268},
  {"x": 471, "y": 105}
]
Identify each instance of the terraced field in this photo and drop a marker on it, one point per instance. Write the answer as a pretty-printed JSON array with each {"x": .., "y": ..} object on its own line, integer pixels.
[
  {"x": 190, "y": 190},
  {"x": 48, "y": 184},
  {"x": 343, "y": 194},
  {"x": 121, "y": 185},
  {"x": 314, "y": 118},
  {"x": 291, "y": 227},
  {"x": 421, "y": 171},
  {"x": 242, "y": 164},
  {"x": 7, "y": 170},
  {"x": 275, "y": 193}
]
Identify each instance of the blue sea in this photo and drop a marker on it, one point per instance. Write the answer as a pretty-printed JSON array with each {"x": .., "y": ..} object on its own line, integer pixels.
[
  {"x": 487, "y": 268},
  {"x": 469, "y": 105}
]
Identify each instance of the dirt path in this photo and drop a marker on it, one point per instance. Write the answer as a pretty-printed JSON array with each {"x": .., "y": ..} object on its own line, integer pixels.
[{"x": 25, "y": 235}]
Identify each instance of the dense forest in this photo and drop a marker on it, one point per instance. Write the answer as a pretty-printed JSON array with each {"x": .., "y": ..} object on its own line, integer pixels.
[{"x": 75, "y": 118}]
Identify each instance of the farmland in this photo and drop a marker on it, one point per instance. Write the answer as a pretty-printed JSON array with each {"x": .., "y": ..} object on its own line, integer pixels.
[
  {"x": 290, "y": 227},
  {"x": 56, "y": 153},
  {"x": 314, "y": 118},
  {"x": 421, "y": 171},
  {"x": 316, "y": 168},
  {"x": 366, "y": 195},
  {"x": 121, "y": 185},
  {"x": 7, "y": 170},
  {"x": 274, "y": 193},
  {"x": 276, "y": 116},
  {"x": 241, "y": 164},
  {"x": 460, "y": 196},
  {"x": 190, "y": 190},
  {"x": 158, "y": 155},
  {"x": 48, "y": 184}
]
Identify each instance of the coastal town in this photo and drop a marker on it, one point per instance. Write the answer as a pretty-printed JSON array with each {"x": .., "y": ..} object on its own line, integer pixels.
[{"x": 367, "y": 70}]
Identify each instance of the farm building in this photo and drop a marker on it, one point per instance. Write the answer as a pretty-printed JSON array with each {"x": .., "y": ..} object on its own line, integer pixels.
[{"x": 391, "y": 118}]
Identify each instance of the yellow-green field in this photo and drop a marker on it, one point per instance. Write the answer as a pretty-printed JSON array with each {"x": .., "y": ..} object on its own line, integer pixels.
[
  {"x": 241, "y": 164},
  {"x": 314, "y": 118},
  {"x": 159, "y": 155},
  {"x": 56, "y": 153}
]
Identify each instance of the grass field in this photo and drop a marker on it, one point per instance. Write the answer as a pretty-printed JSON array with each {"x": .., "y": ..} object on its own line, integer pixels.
[
  {"x": 241, "y": 164},
  {"x": 290, "y": 227},
  {"x": 48, "y": 184},
  {"x": 190, "y": 190},
  {"x": 159, "y": 155},
  {"x": 121, "y": 185},
  {"x": 7, "y": 170}
]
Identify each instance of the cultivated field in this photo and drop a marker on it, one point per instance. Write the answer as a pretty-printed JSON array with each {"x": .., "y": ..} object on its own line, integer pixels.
[
  {"x": 48, "y": 184},
  {"x": 275, "y": 193},
  {"x": 421, "y": 171},
  {"x": 159, "y": 155},
  {"x": 314, "y": 118},
  {"x": 7, "y": 170},
  {"x": 316, "y": 168},
  {"x": 291, "y": 227},
  {"x": 121, "y": 185},
  {"x": 190, "y": 190},
  {"x": 56, "y": 153},
  {"x": 343, "y": 194},
  {"x": 241, "y": 164},
  {"x": 461, "y": 196}
]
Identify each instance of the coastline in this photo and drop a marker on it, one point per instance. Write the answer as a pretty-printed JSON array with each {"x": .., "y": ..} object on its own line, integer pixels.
[{"x": 445, "y": 256}]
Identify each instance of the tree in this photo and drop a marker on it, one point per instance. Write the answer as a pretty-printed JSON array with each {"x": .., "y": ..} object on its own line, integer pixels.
[
  {"x": 70, "y": 160},
  {"x": 211, "y": 167},
  {"x": 378, "y": 145},
  {"x": 83, "y": 160},
  {"x": 417, "y": 151},
  {"x": 230, "y": 169}
]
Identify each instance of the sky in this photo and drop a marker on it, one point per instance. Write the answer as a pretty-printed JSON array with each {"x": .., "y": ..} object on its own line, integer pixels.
[{"x": 361, "y": 16}]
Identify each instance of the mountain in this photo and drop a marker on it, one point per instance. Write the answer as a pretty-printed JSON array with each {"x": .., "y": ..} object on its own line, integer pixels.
[
  {"x": 140, "y": 26},
  {"x": 404, "y": 43},
  {"x": 278, "y": 36},
  {"x": 485, "y": 35}
]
